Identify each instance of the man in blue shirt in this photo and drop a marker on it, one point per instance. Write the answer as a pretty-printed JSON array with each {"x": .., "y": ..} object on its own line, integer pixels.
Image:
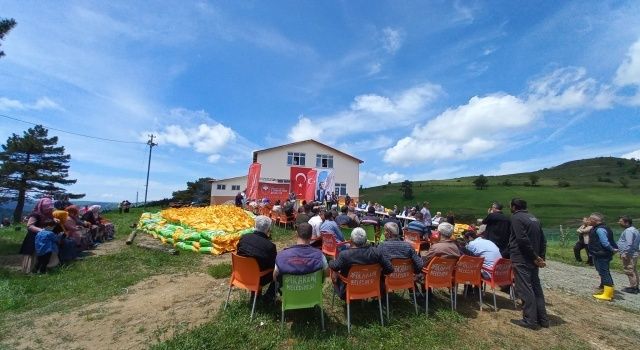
[
  {"x": 418, "y": 225},
  {"x": 602, "y": 247},
  {"x": 331, "y": 226},
  {"x": 300, "y": 258}
]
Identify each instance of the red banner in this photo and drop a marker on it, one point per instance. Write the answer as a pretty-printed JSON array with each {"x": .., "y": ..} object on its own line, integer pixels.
[
  {"x": 299, "y": 178},
  {"x": 310, "y": 193},
  {"x": 273, "y": 191},
  {"x": 253, "y": 181}
]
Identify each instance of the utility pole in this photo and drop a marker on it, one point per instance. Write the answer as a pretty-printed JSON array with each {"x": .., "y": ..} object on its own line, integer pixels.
[{"x": 146, "y": 186}]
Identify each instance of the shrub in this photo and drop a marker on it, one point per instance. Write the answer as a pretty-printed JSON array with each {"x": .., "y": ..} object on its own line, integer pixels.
[
  {"x": 527, "y": 184},
  {"x": 564, "y": 183},
  {"x": 507, "y": 182}
]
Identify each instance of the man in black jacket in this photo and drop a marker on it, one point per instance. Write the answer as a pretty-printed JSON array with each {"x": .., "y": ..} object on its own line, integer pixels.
[
  {"x": 527, "y": 247},
  {"x": 498, "y": 228},
  {"x": 258, "y": 245},
  {"x": 361, "y": 253}
]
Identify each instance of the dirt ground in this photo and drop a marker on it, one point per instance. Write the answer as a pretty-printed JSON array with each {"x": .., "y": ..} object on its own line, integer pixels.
[
  {"x": 573, "y": 318},
  {"x": 159, "y": 307},
  {"x": 151, "y": 311}
]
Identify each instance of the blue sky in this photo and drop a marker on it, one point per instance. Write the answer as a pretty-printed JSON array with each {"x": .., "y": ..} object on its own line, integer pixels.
[{"x": 418, "y": 90}]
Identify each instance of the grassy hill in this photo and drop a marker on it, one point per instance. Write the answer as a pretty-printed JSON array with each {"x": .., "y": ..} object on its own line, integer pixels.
[{"x": 593, "y": 185}]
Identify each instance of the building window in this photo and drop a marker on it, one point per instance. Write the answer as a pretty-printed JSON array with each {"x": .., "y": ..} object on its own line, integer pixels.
[
  {"x": 221, "y": 187},
  {"x": 295, "y": 158},
  {"x": 341, "y": 189},
  {"x": 324, "y": 161},
  {"x": 235, "y": 187}
]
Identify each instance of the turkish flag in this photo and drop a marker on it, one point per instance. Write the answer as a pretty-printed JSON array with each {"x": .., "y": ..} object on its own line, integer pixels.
[
  {"x": 310, "y": 192},
  {"x": 298, "y": 179},
  {"x": 253, "y": 181}
]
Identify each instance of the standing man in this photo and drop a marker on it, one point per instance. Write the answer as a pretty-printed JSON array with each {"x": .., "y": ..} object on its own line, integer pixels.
[
  {"x": 629, "y": 244},
  {"x": 498, "y": 228},
  {"x": 602, "y": 247},
  {"x": 426, "y": 214},
  {"x": 527, "y": 248}
]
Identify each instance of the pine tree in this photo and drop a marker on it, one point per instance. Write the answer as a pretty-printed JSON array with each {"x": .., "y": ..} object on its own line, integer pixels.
[
  {"x": 198, "y": 191},
  {"x": 32, "y": 165},
  {"x": 5, "y": 27}
]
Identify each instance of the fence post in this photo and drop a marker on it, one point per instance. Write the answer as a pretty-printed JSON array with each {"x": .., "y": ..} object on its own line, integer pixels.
[{"x": 562, "y": 237}]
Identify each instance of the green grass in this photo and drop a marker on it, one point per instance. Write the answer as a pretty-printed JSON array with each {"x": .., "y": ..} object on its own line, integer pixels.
[
  {"x": 222, "y": 270},
  {"x": 231, "y": 329},
  {"x": 85, "y": 281},
  {"x": 553, "y": 205}
]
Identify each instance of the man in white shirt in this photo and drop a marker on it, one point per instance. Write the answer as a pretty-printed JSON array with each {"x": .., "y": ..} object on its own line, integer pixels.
[
  {"x": 315, "y": 222},
  {"x": 479, "y": 246}
]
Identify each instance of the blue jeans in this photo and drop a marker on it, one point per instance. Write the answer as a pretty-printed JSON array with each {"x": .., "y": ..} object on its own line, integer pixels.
[{"x": 602, "y": 266}]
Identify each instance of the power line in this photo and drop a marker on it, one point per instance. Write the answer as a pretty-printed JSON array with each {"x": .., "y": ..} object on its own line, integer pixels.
[{"x": 74, "y": 133}]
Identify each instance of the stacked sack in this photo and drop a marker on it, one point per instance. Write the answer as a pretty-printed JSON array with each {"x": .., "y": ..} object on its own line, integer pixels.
[{"x": 210, "y": 230}]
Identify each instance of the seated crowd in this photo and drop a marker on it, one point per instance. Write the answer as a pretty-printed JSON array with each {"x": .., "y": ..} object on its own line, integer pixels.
[
  {"x": 58, "y": 232},
  {"x": 304, "y": 257}
]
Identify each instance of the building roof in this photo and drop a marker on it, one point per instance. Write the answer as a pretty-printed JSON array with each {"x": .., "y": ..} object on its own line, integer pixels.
[
  {"x": 310, "y": 140},
  {"x": 227, "y": 179}
]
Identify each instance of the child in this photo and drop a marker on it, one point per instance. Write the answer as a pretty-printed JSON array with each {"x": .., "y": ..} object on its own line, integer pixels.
[{"x": 46, "y": 245}]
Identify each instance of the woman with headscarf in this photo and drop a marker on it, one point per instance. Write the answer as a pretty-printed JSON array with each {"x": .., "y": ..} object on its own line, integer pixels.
[
  {"x": 68, "y": 250},
  {"x": 92, "y": 216},
  {"x": 77, "y": 229},
  {"x": 41, "y": 218}
]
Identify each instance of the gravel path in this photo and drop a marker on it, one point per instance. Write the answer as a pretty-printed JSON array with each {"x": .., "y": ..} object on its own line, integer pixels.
[{"x": 582, "y": 281}]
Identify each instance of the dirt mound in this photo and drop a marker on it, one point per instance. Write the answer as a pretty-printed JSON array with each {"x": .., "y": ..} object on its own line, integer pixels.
[{"x": 148, "y": 312}]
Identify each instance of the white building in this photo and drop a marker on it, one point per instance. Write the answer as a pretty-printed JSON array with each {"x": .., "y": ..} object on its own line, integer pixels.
[{"x": 277, "y": 161}]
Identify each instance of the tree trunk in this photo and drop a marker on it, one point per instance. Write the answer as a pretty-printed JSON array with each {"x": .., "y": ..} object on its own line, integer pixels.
[
  {"x": 17, "y": 213},
  {"x": 22, "y": 193}
]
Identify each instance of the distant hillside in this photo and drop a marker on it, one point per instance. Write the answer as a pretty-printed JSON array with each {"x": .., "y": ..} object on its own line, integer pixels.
[{"x": 591, "y": 185}]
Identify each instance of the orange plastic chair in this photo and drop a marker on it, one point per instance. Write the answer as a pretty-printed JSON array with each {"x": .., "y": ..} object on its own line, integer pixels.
[
  {"x": 468, "y": 272},
  {"x": 330, "y": 247},
  {"x": 363, "y": 282},
  {"x": 401, "y": 278},
  {"x": 438, "y": 274},
  {"x": 246, "y": 274},
  {"x": 501, "y": 275},
  {"x": 284, "y": 220},
  {"x": 414, "y": 238}
]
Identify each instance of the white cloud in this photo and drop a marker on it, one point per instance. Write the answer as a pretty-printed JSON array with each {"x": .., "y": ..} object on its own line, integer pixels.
[
  {"x": 463, "y": 13},
  {"x": 367, "y": 144},
  {"x": 634, "y": 154},
  {"x": 7, "y": 104},
  {"x": 205, "y": 138},
  {"x": 628, "y": 72},
  {"x": 464, "y": 131},
  {"x": 568, "y": 88},
  {"x": 305, "y": 129},
  {"x": 373, "y": 179},
  {"x": 368, "y": 113},
  {"x": 186, "y": 128},
  {"x": 374, "y": 68},
  {"x": 214, "y": 158},
  {"x": 392, "y": 39},
  {"x": 485, "y": 123}
]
